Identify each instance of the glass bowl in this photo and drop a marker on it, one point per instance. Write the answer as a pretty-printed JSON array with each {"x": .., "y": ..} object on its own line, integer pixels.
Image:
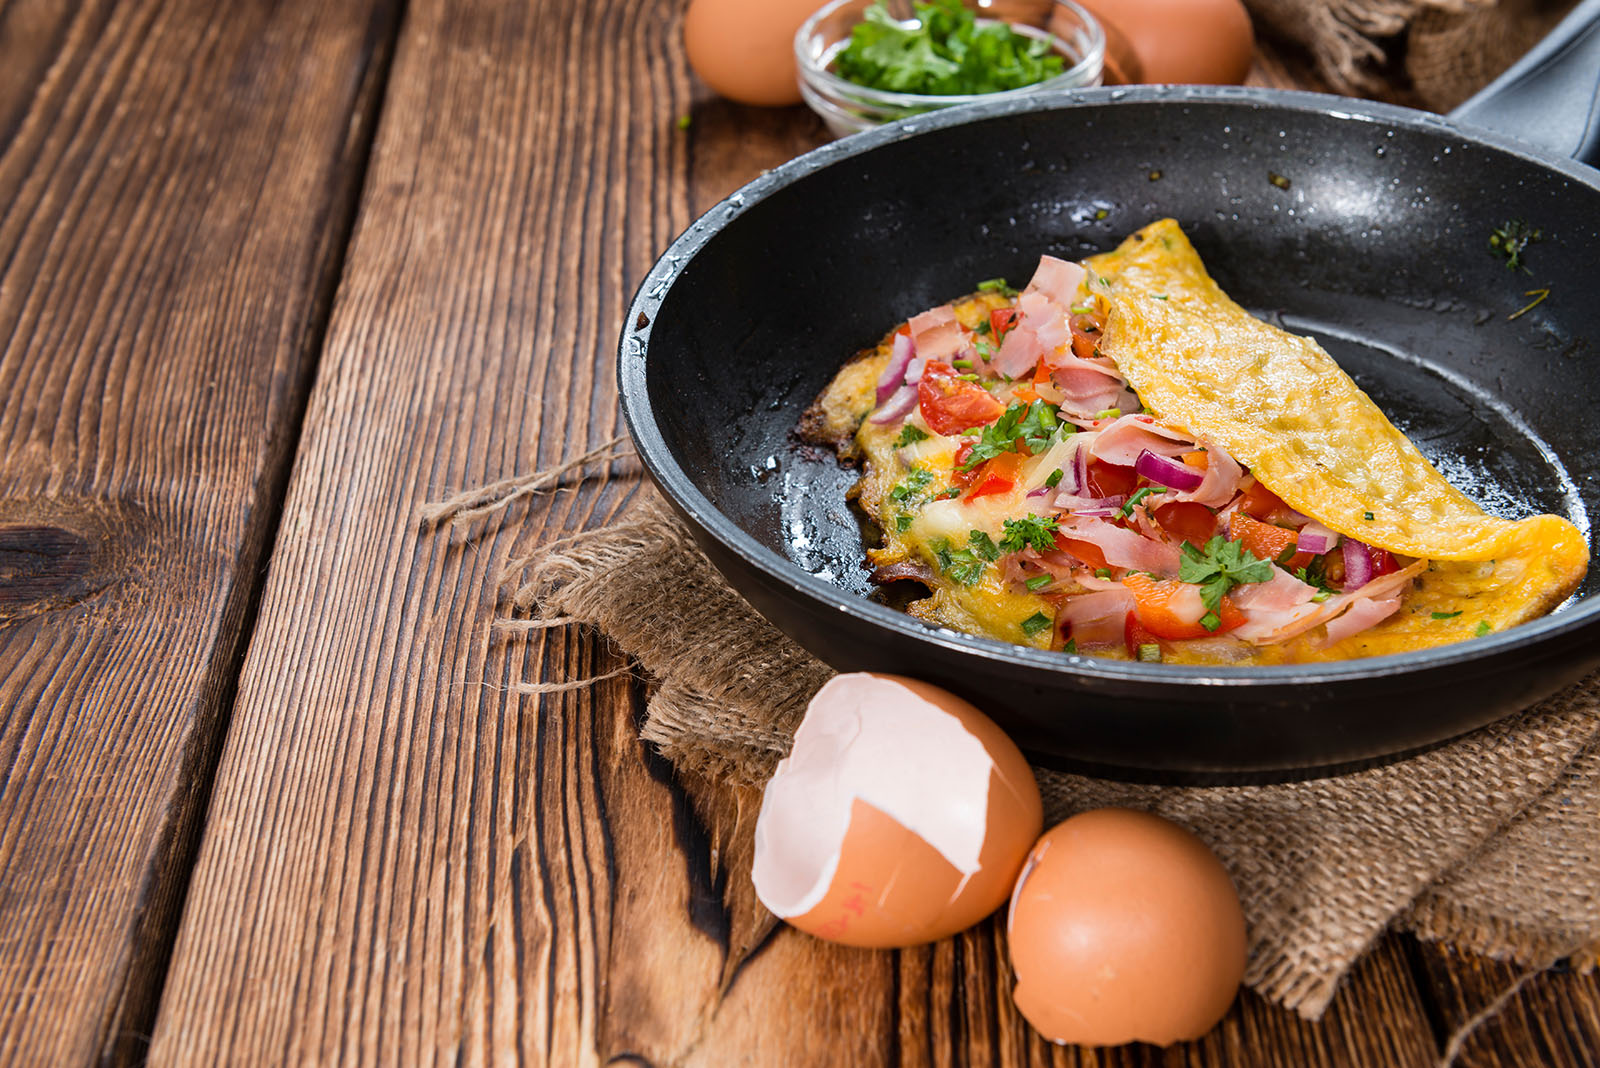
[{"x": 848, "y": 108}]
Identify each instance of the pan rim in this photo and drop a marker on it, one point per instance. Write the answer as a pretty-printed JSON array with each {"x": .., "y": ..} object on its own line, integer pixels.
[{"x": 632, "y": 360}]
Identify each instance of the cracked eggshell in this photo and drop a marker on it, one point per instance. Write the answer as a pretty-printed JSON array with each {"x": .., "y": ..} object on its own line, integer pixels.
[
  {"x": 902, "y": 815},
  {"x": 1124, "y": 927}
]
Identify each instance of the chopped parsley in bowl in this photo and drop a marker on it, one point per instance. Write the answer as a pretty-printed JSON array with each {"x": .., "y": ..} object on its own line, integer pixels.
[{"x": 866, "y": 62}]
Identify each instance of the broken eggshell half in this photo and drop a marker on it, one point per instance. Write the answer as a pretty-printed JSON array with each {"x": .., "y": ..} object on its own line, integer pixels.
[{"x": 902, "y": 815}]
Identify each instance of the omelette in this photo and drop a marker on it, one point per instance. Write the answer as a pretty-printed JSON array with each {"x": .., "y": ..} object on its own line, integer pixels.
[{"x": 1120, "y": 461}]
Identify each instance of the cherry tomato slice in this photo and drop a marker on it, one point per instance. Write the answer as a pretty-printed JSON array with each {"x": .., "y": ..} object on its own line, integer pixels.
[
  {"x": 951, "y": 404},
  {"x": 1187, "y": 521},
  {"x": 1111, "y": 480},
  {"x": 1134, "y": 635},
  {"x": 959, "y": 477},
  {"x": 1260, "y": 502},
  {"x": 1001, "y": 320}
]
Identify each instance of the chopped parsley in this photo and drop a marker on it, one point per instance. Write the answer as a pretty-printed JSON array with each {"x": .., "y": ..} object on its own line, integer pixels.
[
  {"x": 1054, "y": 480},
  {"x": 910, "y": 434},
  {"x": 1071, "y": 647},
  {"x": 1150, "y": 653},
  {"x": 1035, "y": 623},
  {"x": 980, "y": 543},
  {"x": 996, "y": 285},
  {"x": 1511, "y": 240},
  {"x": 1447, "y": 615},
  {"x": 903, "y": 521},
  {"x": 1039, "y": 582},
  {"x": 1218, "y": 568},
  {"x": 1316, "y": 574},
  {"x": 1033, "y": 424},
  {"x": 915, "y": 482},
  {"x": 962, "y": 565},
  {"x": 1036, "y": 531},
  {"x": 1368, "y": 516},
  {"x": 983, "y": 327},
  {"x": 1127, "y": 509},
  {"x": 1483, "y": 628},
  {"x": 943, "y": 51}
]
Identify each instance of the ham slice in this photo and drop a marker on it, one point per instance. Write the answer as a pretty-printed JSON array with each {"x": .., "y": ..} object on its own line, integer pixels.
[
  {"x": 1223, "y": 475},
  {"x": 1058, "y": 279},
  {"x": 1097, "y": 618},
  {"x": 1361, "y": 615},
  {"x": 1299, "y": 620},
  {"x": 1125, "y": 438},
  {"x": 1123, "y": 548},
  {"x": 937, "y": 334},
  {"x": 1280, "y": 593}
]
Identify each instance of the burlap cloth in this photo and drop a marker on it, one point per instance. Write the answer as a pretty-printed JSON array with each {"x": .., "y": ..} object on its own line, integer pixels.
[
  {"x": 1441, "y": 50},
  {"x": 1491, "y": 842}
]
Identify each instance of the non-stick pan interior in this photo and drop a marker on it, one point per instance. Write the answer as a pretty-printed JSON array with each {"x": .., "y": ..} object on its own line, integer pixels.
[{"x": 1371, "y": 233}]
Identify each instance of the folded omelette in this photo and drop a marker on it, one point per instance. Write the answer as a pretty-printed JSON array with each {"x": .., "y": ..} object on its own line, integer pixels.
[{"x": 1120, "y": 461}]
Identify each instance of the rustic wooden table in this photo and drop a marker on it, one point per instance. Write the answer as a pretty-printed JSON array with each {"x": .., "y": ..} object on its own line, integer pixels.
[{"x": 273, "y": 275}]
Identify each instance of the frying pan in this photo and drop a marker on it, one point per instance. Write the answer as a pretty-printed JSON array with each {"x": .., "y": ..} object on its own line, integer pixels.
[{"x": 1363, "y": 224}]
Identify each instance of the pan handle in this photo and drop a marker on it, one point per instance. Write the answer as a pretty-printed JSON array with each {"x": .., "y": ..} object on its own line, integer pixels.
[{"x": 1551, "y": 96}]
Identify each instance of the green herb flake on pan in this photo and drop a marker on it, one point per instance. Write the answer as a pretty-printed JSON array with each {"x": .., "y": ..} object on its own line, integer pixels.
[{"x": 1511, "y": 240}]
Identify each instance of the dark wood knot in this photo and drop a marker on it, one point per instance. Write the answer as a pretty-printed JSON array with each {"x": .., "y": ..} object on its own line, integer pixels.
[{"x": 41, "y": 566}]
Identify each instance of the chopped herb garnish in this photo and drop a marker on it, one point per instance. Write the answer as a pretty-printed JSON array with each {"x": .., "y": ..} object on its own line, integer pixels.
[
  {"x": 1159, "y": 296},
  {"x": 915, "y": 482},
  {"x": 1033, "y": 424},
  {"x": 952, "y": 492},
  {"x": 1220, "y": 567},
  {"x": 944, "y": 51},
  {"x": 1511, "y": 240},
  {"x": 1283, "y": 558},
  {"x": 1127, "y": 509},
  {"x": 1538, "y": 296},
  {"x": 1483, "y": 628},
  {"x": 1071, "y": 646},
  {"x": 903, "y": 521},
  {"x": 1211, "y": 621},
  {"x": 1039, "y": 582},
  {"x": 1447, "y": 615},
  {"x": 1037, "y": 531},
  {"x": 1150, "y": 653},
  {"x": 962, "y": 565},
  {"x": 982, "y": 327},
  {"x": 1316, "y": 574},
  {"x": 995, "y": 285},
  {"x": 1277, "y": 179},
  {"x": 1321, "y": 595},
  {"x": 1109, "y": 413},
  {"x": 968, "y": 377},
  {"x": 980, "y": 543},
  {"x": 1054, "y": 480},
  {"x": 965, "y": 365},
  {"x": 1035, "y": 623},
  {"x": 984, "y": 350},
  {"x": 910, "y": 434},
  {"x": 1368, "y": 516},
  {"x": 1102, "y": 572}
]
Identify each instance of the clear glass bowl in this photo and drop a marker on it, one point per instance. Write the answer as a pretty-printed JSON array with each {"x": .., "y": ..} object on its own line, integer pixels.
[{"x": 848, "y": 108}]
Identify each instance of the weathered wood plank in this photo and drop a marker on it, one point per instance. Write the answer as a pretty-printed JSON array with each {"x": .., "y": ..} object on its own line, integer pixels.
[
  {"x": 176, "y": 181},
  {"x": 404, "y": 861},
  {"x": 1552, "y": 1020}
]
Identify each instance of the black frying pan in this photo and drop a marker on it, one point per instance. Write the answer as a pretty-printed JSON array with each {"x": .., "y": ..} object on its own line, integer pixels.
[{"x": 1373, "y": 237}]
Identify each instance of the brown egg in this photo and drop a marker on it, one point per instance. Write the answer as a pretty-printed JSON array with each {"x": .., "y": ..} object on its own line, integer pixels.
[
  {"x": 1205, "y": 42},
  {"x": 744, "y": 49},
  {"x": 901, "y": 815},
  {"x": 1124, "y": 928}
]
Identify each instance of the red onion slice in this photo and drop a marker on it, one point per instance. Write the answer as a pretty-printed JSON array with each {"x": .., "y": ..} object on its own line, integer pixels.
[
  {"x": 894, "y": 375},
  {"x": 1165, "y": 471},
  {"x": 1357, "y": 564},
  {"x": 1316, "y": 539},
  {"x": 898, "y": 406},
  {"x": 1040, "y": 492}
]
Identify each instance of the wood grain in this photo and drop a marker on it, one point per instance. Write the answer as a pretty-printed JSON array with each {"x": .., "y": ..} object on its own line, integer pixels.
[
  {"x": 404, "y": 861},
  {"x": 175, "y": 180}
]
